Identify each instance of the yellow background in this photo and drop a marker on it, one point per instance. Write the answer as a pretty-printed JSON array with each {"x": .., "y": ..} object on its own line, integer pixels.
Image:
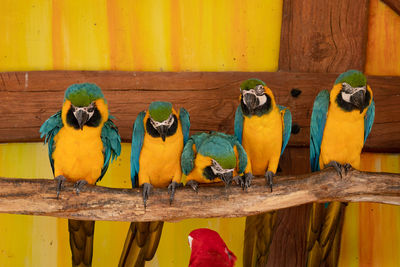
[{"x": 162, "y": 35}]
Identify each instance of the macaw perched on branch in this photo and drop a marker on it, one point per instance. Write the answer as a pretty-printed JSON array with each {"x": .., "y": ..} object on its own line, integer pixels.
[
  {"x": 157, "y": 143},
  {"x": 213, "y": 157},
  {"x": 263, "y": 128},
  {"x": 81, "y": 142},
  {"x": 340, "y": 124},
  {"x": 209, "y": 250}
]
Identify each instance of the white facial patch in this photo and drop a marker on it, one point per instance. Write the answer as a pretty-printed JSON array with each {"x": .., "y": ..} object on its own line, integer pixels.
[
  {"x": 89, "y": 110},
  {"x": 190, "y": 239},
  {"x": 258, "y": 92},
  {"x": 348, "y": 91},
  {"x": 168, "y": 122},
  {"x": 217, "y": 169}
]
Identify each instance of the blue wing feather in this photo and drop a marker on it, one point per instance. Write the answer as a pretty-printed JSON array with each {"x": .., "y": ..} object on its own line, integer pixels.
[
  {"x": 185, "y": 122},
  {"x": 369, "y": 120},
  {"x": 187, "y": 157},
  {"x": 239, "y": 124},
  {"x": 242, "y": 157},
  {"x": 50, "y": 129},
  {"x": 317, "y": 126},
  {"x": 287, "y": 126},
  {"x": 111, "y": 144},
  {"x": 137, "y": 142}
]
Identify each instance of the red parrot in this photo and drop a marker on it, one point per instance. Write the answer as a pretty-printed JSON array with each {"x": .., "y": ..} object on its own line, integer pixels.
[{"x": 209, "y": 250}]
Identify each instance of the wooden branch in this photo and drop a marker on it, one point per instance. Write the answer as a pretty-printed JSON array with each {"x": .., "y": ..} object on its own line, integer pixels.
[
  {"x": 29, "y": 98},
  {"x": 393, "y": 4},
  {"x": 37, "y": 197}
]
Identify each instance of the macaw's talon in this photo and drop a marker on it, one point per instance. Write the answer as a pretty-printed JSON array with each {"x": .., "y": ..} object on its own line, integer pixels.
[
  {"x": 239, "y": 181},
  {"x": 146, "y": 192},
  {"x": 347, "y": 167},
  {"x": 194, "y": 185},
  {"x": 248, "y": 177},
  {"x": 268, "y": 177},
  {"x": 79, "y": 185},
  {"x": 337, "y": 166},
  {"x": 171, "y": 191},
  {"x": 60, "y": 184}
]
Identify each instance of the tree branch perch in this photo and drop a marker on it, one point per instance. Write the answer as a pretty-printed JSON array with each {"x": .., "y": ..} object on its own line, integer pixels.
[{"x": 38, "y": 197}]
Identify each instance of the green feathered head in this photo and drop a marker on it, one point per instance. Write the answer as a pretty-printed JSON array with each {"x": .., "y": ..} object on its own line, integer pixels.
[
  {"x": 160, "y": 111},
  {"x": 354, "y": 78},
  {"x": 220, "y": 150},
  {"x": 250, "y": 84},
  {"x": 82, "y": 94}
]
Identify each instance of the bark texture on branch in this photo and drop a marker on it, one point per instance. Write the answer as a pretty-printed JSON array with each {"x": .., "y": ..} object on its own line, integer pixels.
[{"x": 38, "y": 197}]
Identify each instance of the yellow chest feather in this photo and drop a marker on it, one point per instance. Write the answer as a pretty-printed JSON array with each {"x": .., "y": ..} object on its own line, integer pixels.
[
  {"x": 160, "y": 161},
  {"x": 343, "y": 137},
  {"x": 262, "y": 139},
  {"x": 78, "y": 154}
]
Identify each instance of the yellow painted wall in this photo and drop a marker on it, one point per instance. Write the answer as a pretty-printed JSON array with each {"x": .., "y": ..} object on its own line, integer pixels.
[{"x": 161, "y": 35}]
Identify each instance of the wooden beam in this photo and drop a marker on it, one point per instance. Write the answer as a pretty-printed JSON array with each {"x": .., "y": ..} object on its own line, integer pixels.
[
  {"x": 29, "y": 98},
  {"x": 323, "y": 35},
  {"x": 38, "y": 197},
  {"x": 393, "y": 4}
]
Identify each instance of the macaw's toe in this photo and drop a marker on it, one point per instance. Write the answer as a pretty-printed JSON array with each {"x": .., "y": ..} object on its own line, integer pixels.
[
  {"x": 60, "y": 184},
  {"x": 248, "y": 177},
  {"x": 268, "y": 177},
  {"x": 239, "y": 180},
  {"x": 171, "y": 191},
  {"x": 79, "y": 185},
  {"x": 194, "y": 185},
  {"x": 347, "y": 167},
  {"x": 337, "y": 166},
  {"x": 146, "y": 192}
]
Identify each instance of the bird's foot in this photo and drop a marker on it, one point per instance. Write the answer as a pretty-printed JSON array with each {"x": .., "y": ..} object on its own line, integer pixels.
[
  {"x": 194, "y": 185},
  {"x": 79, "y": 185},
  {"x": 239, "y": 180},
  {"x": 60, "y": 184},
  {"x": 171, "y": 191},
  {"x": 247, "y": 177},
  {"x": 347, "y": 167},
  {"x": 268, "y": 178},
  {"x": 146, "y": 192},
  {"x": 338, "y": 167}
]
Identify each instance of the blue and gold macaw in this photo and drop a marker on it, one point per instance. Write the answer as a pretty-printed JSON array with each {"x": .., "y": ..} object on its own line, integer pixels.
[
  {"x": 263, "y": 128},
  {"x": 340, "y": 124},
  {"x": 213, "y": 157},
  {"x": 157, "y": 143},
  {"x": 81, "y": 142}
]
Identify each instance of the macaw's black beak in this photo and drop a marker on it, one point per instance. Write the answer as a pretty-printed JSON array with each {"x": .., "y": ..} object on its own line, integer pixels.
[
  {"x": 82, "y": 117},
  {"x": 358, "y": 100},
  {"x": 227, "y": 178},
  {"x": 251, "y": 101},
  {"x": 162, "y": 130}
]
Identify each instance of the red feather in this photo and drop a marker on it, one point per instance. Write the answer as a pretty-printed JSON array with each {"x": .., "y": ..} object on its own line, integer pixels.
[{"x": 209, "y": 250}]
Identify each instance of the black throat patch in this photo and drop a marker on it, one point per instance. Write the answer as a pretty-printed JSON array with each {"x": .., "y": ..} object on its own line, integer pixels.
[
  {"x": 93, "y": 122},
  {"x": 346, "y": 106},
  {"x": 259, "y": 111},
  {"x": 209, "y": 174},
  {"x": 154, "y": 133}
]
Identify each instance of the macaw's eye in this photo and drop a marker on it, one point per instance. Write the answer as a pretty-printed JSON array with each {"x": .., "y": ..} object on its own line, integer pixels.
[
  {"x": 259, "y": 89},
  {"x": 90, "y": 110}
]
